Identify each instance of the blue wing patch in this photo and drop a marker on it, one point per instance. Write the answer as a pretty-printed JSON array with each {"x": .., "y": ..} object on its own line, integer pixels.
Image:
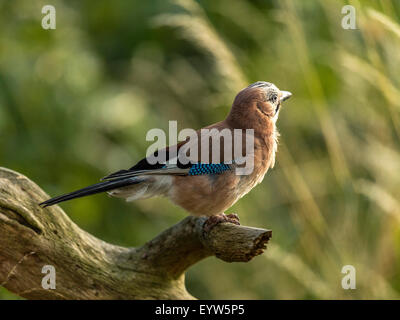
[{"x": 208, "y": 168}]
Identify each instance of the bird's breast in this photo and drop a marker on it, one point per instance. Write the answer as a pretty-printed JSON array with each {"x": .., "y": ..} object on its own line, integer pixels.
[{"x": 211, "y": 194}]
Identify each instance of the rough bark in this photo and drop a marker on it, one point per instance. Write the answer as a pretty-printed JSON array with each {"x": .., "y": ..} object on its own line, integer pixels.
[{"x": 89, "y": 268}]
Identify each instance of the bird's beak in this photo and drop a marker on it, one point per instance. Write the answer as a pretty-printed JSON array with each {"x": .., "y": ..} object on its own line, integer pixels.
[{"x": 285, "y": 95}]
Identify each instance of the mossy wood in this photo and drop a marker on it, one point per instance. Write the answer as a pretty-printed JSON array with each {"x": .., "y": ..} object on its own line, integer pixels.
[{"x": 89, "y": 268}]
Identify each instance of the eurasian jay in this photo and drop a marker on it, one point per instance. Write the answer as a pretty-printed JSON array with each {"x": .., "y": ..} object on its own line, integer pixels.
[{"x": 201, "y": 187}]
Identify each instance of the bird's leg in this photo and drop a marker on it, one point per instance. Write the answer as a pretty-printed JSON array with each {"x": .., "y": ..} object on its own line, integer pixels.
[{"x": 219, "y": 218}]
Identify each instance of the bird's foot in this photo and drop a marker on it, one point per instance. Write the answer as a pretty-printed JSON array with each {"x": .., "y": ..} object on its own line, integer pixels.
[{"x": 212, "y": 221}]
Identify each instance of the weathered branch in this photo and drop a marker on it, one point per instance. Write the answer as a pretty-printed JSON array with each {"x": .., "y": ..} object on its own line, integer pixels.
[{"x": 88, "y": 268}]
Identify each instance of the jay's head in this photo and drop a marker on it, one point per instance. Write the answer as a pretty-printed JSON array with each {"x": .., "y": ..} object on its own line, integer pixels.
[{"x": 259, "y": 103}]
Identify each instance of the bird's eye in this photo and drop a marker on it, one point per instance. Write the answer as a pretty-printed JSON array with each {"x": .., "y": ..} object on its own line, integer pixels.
[{"x": 273, "y": 98}]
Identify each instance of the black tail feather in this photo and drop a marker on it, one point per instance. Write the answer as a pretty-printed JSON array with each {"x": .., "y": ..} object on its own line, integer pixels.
[
  {"x": 115, "y": 174},
  {"x": 90, "y": 190}
]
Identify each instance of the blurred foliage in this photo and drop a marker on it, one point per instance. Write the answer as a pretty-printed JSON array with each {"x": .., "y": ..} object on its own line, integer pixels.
[{"x": 76, "y": 103}]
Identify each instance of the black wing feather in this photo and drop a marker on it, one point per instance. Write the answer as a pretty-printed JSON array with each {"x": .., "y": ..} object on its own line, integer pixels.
[{"x": 144, "y": 164}]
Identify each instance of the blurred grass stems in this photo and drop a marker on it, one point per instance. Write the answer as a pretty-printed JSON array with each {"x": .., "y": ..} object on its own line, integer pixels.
[
  {"x": 290, "y": 17},
  {"x": 311, "y": 212},
  {"x": 195, "y": 27}
]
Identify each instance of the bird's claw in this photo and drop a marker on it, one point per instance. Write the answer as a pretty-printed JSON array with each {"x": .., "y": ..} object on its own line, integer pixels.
[
  {"x": 212, "y": 221},
  {"x": 233, "y": 218}
]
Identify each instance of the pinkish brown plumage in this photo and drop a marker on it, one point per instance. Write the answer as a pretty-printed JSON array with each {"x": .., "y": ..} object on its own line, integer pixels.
[{"x": 205, "y": 187}]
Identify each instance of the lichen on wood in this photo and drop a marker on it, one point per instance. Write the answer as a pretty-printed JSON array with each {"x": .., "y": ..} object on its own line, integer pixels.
[{"x": 89, "y": 268}]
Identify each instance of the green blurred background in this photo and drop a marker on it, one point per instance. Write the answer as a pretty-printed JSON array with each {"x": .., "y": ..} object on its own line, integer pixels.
[{"x": 76, "y": 103}]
